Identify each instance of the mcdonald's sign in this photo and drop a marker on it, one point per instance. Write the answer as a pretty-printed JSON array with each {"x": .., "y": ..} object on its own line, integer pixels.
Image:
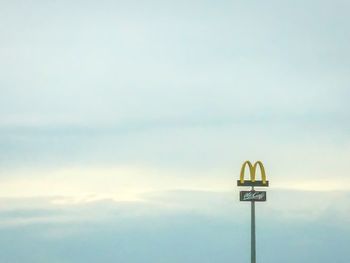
[
  {"x": 252, "y": 170},
  {"x": 253, "y": 196}
]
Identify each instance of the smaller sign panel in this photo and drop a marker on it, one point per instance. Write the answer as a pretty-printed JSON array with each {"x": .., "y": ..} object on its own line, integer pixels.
[{"x": 259, "y": 196}]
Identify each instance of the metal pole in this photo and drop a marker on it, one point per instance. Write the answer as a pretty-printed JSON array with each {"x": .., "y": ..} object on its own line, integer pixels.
[{"x": 253, "y": 249}]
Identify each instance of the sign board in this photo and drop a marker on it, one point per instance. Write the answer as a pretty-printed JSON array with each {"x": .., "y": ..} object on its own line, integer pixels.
[{"x": 258, "y": 196}]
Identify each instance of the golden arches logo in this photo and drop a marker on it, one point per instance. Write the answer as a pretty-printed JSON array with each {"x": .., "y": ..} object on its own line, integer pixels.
[{"x": 252, "y": 171}]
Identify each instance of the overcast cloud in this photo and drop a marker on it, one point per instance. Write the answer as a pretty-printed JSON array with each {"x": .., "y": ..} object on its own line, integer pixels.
[{"x": 123, "y": 126}]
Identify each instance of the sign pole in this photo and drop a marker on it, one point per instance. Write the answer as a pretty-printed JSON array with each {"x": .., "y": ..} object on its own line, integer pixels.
[{"x": 253, "y": 249}]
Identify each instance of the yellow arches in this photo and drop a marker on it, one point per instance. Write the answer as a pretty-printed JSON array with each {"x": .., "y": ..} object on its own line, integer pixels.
[{"x": 252, "y": 170}]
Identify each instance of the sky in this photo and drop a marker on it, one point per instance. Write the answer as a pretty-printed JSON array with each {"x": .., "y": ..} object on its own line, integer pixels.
[{"x": 124, "y": 125}]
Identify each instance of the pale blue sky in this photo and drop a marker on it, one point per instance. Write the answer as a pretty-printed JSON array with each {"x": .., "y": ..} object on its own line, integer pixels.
[{"x": 147, "y": 109}]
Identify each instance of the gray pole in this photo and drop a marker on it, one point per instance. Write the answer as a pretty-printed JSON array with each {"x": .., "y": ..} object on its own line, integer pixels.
[{"x": 253, "y": 250}]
